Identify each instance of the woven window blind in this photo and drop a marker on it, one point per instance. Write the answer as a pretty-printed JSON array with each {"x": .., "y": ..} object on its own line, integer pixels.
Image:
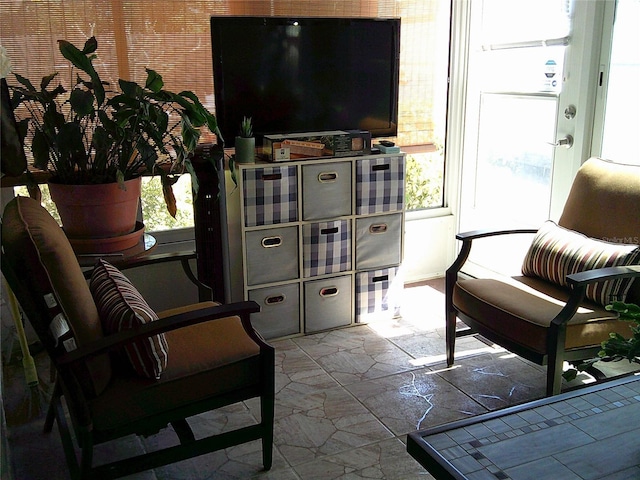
[{"x": 173, "y": 38}]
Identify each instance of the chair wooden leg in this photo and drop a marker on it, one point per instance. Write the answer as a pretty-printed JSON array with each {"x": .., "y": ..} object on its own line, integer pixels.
[
  {"x": 267, "y": 404},
  {"x": 451, "y": 336},
  {"x": 450, "y": 317},
  {"x": 65, "y": 436},
  {"x": 51, "y": 411},
  {"x": 183, "y": 431},
  {"x": 555, "y": 347}
]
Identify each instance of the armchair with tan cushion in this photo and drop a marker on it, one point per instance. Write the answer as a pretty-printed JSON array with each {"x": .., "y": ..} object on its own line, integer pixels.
[
  {"x": 555, "y": 311},
  {"x": 121, "y": 368}
]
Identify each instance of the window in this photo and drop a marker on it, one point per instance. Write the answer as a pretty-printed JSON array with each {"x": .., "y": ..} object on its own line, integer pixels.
[{"x": 173, "y": 38}]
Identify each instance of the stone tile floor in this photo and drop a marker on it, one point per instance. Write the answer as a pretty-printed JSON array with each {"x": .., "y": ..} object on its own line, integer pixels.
[{"x": 345, "y": 401}]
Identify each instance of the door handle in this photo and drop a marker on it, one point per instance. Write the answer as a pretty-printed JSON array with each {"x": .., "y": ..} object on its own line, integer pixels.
[{"x": 566, "y": 142}]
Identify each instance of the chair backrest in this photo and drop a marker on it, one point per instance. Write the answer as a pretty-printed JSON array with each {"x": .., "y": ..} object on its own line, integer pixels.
[
  {"x": 604, "y": 203},
  {"x": 42, "y": 269}
]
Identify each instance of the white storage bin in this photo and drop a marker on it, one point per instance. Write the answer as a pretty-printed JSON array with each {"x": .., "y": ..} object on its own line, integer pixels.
[
  {"x": 326, "y": 190},
  {"x": 272, "y": 255},
  {"x": 327, "y": 303},
  {"x": 279, "y": 310},
  {"x": 378, "y": 241}
]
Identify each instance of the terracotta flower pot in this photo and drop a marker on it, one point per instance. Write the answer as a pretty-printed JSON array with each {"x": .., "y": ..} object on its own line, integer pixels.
[{"x": 100, "y": 211}]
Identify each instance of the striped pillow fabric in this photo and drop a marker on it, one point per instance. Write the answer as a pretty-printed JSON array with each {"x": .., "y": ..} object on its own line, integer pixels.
[
  {"x": 121, "y": 307},
  {"x": 557, "y": 252}
]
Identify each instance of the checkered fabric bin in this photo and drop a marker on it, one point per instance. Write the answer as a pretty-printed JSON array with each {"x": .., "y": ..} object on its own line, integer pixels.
[
  {"x": 378, "y": 294},
  {"x": 379, "y": 185},
  {"x": 326, "y": 247},
  {"x": 279, "y": 310},
  {"x": 270, "y": 195}
]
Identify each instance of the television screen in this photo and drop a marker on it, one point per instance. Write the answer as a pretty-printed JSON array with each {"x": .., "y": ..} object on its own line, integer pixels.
[{"x": 295, "y": 75}]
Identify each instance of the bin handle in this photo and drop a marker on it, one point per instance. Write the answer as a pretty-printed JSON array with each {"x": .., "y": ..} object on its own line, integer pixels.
[
  {"x": 274, "y": 299},
  {"x": 329, "y": 291},
  {"x": 272, "y": 176},
  {"x": 271, "y": 242},
  {"x": 327, "y": 177},
  {"x": 328, "y": 231},
  {"x": 384, "y": 166},
  {"x": 378, "y": 228},
  {"x": 381, "y": 278}
]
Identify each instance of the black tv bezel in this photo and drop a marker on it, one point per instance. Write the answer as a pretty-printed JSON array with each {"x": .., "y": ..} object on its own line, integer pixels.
[{"x": 248, "y": 21}]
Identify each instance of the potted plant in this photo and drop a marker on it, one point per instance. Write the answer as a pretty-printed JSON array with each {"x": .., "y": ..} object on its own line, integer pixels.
[
  {"x": 96, "y": 135},
  {"x": 616, "y": 347},
  {"x": 245, "y": 142}
]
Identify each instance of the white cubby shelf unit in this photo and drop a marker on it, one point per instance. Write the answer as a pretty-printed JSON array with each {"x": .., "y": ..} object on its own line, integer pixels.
[{"x": 318, "y": 244}]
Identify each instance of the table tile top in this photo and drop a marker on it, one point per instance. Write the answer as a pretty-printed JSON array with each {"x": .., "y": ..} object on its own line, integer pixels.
[{"x": 590, "y": 436}]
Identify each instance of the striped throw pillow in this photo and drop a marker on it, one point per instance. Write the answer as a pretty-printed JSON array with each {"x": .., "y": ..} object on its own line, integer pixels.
[
  {"x": 557, "y": 252},
  {"x": 121, "y": 307}
]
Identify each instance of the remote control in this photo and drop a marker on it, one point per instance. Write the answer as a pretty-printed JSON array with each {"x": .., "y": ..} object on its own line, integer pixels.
[{"x": 386, "y": 143}]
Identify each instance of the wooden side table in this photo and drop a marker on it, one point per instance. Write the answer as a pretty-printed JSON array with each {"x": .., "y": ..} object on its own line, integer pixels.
[{"x": 142, "y": 255}]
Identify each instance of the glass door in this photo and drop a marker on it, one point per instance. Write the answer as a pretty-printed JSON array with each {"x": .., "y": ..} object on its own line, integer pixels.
[
  {"x": 618, "y": 103},
  {"x": 528, "y": 85}
]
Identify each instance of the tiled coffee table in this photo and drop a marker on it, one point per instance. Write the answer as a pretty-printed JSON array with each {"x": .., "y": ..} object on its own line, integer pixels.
[{"x": 590, "y": 433}]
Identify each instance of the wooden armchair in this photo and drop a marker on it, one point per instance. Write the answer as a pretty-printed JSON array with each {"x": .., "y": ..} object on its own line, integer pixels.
[
  {"x": 554, "y": 311},
  {"x": 123, "y": 370}
]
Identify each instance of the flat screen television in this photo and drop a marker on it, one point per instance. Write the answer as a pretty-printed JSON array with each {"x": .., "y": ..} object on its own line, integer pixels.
[{"x": 308, "y": 74}]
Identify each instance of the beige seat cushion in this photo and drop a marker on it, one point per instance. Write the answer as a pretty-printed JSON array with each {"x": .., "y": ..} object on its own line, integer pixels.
[
  {"x": 521, "y": 308},
  {"x": 206, "y": 359}
]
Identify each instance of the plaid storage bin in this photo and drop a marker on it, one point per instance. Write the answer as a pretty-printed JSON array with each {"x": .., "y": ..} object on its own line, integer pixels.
[
  {"x": 326, "y": 247},
  {"x": 378, "y": 294},
  {"x": 380, "y": 185},
  {"x": 270, "y": 195}
]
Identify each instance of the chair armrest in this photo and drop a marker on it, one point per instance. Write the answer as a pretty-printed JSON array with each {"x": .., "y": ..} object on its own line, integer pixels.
[
  {"x": 468, "y": 237},
  {"x": 602, "y": 274},
  {"x": 579, "y": 282},
  {"x": 174, "y": 322},
  {"x": 484, "y": 233}
]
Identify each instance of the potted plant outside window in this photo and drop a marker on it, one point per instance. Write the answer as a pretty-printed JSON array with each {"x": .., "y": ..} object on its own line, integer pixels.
[
  {"x": 245, "y": 142},
  {"x": 98, "y": 135}
]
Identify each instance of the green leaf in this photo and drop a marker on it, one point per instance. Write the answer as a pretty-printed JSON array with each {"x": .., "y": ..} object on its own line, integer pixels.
[
  {"x": 154, "y": 81},
  {"x": 46, "y": 80},
  {"x": 190, "y": 135},
  {"x": 82, "y": 102},
  {"x": 52, "y": 120},
  {"x": 40, "y": 150},
  {"x": 25, "y": 82},
  {"x": 90, "y": 46},
  {"x": 130, "y": 89},
  {"x": 23, "y": 128},
  {"x": 80, "y": 60},
  {"x": 70, "y": 144},
  {"x": 75, "y": 56}
]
